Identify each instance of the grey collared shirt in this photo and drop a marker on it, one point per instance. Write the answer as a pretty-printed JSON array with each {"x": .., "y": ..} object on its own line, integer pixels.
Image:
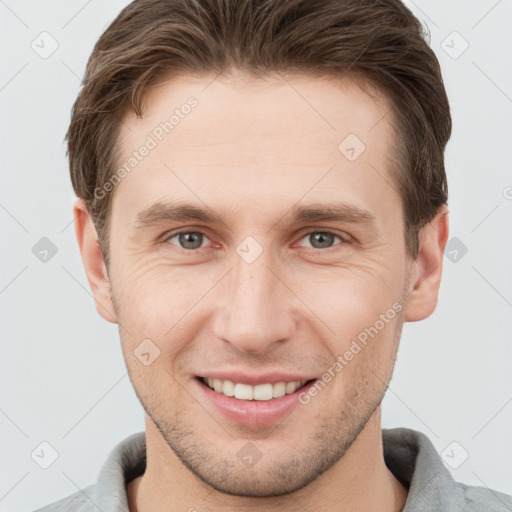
[{"x": 409, "y": 455}]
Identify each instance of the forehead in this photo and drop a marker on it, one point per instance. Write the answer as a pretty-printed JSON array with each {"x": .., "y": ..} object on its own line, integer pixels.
[
  {"x": 299, "y": 104},
  {"x": 259, "y": 138}
]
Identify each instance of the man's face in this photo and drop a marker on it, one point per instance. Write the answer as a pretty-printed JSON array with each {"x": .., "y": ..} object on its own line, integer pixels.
[{"x": 259, "y": 295}]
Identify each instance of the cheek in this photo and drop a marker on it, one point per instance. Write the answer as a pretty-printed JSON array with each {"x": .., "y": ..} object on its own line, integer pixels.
[
  {"x": 376, "y": 344},
  {"x": 161, "y": 304},
  {"x": 351, "y": 298},
  {"x": 150, "y": 292},
  {"x": 365, "y": 312}
]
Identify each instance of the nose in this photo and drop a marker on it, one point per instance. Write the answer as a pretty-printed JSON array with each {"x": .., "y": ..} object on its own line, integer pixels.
[{"x": 254, "y": 308}]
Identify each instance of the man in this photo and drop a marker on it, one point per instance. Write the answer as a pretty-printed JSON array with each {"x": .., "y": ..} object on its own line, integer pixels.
[{"x": 262, "y": 205}]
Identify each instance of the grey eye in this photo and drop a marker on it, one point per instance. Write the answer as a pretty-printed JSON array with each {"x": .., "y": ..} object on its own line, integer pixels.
[
  {"x": 321, "y": 240},
  {"x": 189, "y": 239}
]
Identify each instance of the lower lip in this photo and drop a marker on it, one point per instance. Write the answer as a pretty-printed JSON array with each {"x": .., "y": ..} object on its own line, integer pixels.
[{"x": 253, "y": 412}]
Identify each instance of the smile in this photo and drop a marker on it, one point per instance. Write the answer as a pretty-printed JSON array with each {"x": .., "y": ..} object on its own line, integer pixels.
[{"x": 241, "y": 391}]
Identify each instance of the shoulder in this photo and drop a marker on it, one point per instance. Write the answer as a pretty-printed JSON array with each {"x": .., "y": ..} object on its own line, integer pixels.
[
  {"x": 125, "y": 461},
  {"x": 76, "y": 502},
  {"x": 413, "y": 459},
  {"x": 482, "y": 499}
]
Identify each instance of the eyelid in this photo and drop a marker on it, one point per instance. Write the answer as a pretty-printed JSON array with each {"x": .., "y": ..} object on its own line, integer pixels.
[
  {"x": 171, "y": 234},
  {"x": 344, "y": 237}
]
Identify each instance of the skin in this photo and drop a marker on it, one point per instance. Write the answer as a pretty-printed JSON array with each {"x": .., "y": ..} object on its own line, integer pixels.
[{"x": 250, "y": 151}]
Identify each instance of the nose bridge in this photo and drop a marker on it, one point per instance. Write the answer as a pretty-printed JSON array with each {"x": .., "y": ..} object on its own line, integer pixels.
[{"x": 255, "y": 313}]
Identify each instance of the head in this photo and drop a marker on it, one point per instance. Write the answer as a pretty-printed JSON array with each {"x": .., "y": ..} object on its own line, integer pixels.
[{"x": 311, "y": 136}]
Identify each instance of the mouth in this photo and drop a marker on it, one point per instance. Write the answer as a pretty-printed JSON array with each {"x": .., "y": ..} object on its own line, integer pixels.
[{"x": 259, "y": 392}]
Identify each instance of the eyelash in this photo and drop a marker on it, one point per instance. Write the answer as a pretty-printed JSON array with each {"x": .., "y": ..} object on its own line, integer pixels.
[{"x": 344, "y": 239}]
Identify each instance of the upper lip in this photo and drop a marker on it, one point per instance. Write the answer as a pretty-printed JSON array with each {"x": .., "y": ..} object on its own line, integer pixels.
[{"x": 254, "y": 380}]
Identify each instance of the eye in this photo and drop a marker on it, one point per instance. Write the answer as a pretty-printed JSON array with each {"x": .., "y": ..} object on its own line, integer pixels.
[
  {"x": 191, "y": 240},
  {"x": 188, "y": 240},
  {"x": 322, "y": 239}
]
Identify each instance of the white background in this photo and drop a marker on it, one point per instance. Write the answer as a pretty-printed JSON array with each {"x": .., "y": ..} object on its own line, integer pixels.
[{"x": 63, "y": 375}]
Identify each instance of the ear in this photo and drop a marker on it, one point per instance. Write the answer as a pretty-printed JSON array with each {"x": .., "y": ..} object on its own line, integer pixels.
[
  {"x": 427, "y": 268},
  {"x": 92, "y": 258}
]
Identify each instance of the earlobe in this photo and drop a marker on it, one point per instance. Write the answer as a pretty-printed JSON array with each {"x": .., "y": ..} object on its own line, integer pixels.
[
  {"x": 426, "y": 276},
  {"x": 92, "y": 259}
]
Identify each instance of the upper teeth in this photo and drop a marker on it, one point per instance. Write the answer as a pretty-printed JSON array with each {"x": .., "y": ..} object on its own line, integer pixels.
[{"x": 259, "y": 392}]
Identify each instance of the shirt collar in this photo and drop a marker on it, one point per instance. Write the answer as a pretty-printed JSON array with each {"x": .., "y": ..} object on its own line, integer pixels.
[{"x": 409, "y": 455}]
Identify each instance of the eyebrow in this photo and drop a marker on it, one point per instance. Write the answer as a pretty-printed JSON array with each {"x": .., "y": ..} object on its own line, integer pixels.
[
  {"x": 180, "y": 211},
  {"x": 339, "y": 212},
  {"x": 160, "y": 212}
]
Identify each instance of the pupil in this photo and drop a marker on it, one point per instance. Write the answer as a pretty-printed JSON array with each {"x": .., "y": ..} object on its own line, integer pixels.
[
  {"x": 187, "y": 238},
  {"x": 322, "y": 237}
]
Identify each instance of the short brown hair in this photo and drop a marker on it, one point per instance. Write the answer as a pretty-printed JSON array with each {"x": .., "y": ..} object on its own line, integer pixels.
[{"x": 378, "y": 40}]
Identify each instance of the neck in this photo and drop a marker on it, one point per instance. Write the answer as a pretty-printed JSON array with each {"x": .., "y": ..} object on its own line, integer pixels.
[{"x": 360, "y": 480}]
